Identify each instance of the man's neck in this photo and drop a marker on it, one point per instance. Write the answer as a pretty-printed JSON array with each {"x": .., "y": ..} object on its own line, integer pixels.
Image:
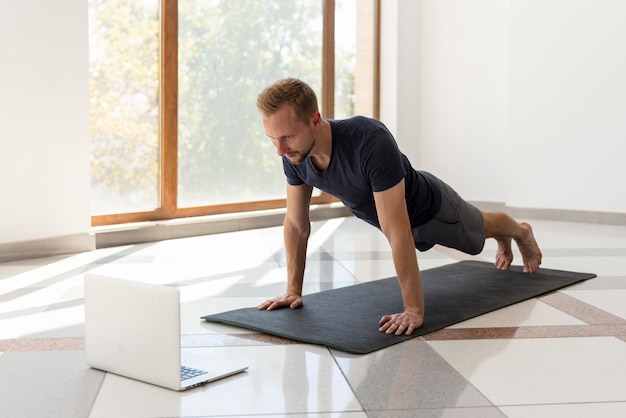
[{"x": 320, "y": 156}]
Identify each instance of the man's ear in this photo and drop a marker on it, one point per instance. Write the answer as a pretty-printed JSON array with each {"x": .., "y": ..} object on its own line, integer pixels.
[{"x": 316, "y": 119}]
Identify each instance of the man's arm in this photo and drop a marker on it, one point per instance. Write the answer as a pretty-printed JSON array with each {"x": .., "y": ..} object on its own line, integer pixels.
[
  {"x": 395, "y": 224},
  {"x": 296, "y": 231}
]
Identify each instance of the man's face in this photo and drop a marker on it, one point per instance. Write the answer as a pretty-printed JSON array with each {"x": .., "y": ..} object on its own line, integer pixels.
[{"x": 292, "y": 138}]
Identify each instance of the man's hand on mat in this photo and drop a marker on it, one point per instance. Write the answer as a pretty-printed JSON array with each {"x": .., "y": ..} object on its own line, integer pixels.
[
  {"x": 401, "y": 323},
  {"x": 292, "y": 300}
]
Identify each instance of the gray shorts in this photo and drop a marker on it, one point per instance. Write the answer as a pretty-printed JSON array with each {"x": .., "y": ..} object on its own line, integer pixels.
[{"x": 458, "y": 224}]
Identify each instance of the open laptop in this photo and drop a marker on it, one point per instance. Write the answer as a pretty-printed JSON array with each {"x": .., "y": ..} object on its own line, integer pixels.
[{"x": 133, "y": 329}]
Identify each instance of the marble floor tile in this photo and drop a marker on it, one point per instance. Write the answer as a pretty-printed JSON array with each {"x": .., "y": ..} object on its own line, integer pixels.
[
  {"x": 524, "y": 314},
  {"x": 585, "y": 264},
  {"x": 558, "y": 355},
  {"x": 47, "y": 384},
  {"x": 192, "y": 311},
  {"x": 612, "y": 301},
  {"x": 280, "y": 380},
  {"x": 609, "y": 409},
  {"x": 541, "y": 371},
  {"x": 29, "y": 323},
  {"x": 407, "y": 376},
  {"x": 469, "y": 412}
]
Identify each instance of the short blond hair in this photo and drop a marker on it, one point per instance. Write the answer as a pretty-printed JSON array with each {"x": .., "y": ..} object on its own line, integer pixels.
[{"x": 298, "y": 94}]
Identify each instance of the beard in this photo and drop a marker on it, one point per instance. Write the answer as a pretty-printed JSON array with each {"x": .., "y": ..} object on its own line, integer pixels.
[{"x": 298, "y": 157}]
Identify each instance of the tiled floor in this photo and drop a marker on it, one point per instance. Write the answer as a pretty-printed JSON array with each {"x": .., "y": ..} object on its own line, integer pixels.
[{"x": 562, "y": 354}]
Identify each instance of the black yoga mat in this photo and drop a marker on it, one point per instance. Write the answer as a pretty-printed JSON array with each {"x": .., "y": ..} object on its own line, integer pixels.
[{"x": 347, "y": 318}]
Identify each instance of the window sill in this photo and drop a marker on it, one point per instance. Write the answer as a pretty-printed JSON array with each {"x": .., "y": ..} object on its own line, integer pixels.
[{"x": 141, "y": 232}]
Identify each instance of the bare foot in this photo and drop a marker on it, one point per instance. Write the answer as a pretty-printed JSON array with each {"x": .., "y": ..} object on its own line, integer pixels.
[
  {"x": 531, "y": 254},
  {"x": 504, "y": 255}
]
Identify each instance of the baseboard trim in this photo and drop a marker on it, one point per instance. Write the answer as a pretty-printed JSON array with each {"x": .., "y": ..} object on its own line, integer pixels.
[
  {"x": 46, "y": 247},
  {"x": 563, "y": 215}
]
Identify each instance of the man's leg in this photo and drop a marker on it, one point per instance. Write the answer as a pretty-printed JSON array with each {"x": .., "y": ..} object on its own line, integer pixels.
[{"x": 504, "y": 229}]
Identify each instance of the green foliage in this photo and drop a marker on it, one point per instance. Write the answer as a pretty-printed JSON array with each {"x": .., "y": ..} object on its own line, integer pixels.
[
  {"x": 123, "y": 89},
  {"x": 228, "y": 51}
]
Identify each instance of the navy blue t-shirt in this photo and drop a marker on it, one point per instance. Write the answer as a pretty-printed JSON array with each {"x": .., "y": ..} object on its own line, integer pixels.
[{"x": 364, "y": 159}]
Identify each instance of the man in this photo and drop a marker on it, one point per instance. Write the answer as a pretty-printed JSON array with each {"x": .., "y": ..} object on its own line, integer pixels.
[{"x": 358, "y": 161}]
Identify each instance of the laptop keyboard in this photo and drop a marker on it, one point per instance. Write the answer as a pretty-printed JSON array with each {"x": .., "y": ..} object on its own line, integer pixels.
[{"x": 188, "y": 373}]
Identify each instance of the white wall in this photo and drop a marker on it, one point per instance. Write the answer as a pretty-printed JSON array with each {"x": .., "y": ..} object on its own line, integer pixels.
[
  {"x": 444, "y": 91},
  {"x": 464, "y": 76},
  {"x": 520, "y": 101},
  {"x": 399, "y": 73},
  {"x": 44, "y": 120},
  {"x": 567, "y": 124}
]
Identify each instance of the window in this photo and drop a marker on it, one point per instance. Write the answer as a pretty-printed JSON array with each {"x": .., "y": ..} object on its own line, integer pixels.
[
  {"x": 356, "y": 49},
  {"x": 173, "y": 85},
  {"x": 227, "y": 52},
  {"x": 124, "y": 105}
]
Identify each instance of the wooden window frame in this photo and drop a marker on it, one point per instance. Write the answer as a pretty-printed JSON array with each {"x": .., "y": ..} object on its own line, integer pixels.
[{"x": 169, "y": 123}]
